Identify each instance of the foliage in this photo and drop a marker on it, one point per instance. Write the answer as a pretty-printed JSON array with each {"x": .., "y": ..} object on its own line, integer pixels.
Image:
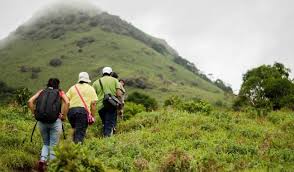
[
  {"x": 191, "y": 106},
  {"x": 148, "y": 102},
  {"x": 166, "y": 140},
  {"x": 176, "y": 161},
  {"x": 220, "y": 84},
  {"x": 131, "y": 109},
  {"x": 22, "y": 97},
  {"x": 84, "y": 41},
  {"x": 75, "y": 158},
  {"x": 55, "y": 62},
  {"x": 267, "y": 86},
  {"x": 185, "y": 63}
]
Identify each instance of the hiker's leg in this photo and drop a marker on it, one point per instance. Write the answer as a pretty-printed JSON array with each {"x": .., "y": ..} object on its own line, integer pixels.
[
  {"x": 81, "y": 126},
  {"x": 55, "y": 131},
  {"x": 101, "y": 114},
  {"x": 109, "y": 122},
  {"x": 72, "y": 120},
  {"x": 44, "y": 130}
]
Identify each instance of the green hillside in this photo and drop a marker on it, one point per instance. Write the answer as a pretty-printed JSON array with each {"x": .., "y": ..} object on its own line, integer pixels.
[
  {"x": 165, "y": 140},
  {"x": 67, "y": 40}
]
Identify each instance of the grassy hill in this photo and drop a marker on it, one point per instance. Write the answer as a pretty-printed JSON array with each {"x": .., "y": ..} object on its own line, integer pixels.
[
  {"x": 66, "y": 40},
  {"x": 165, "y": 140}
]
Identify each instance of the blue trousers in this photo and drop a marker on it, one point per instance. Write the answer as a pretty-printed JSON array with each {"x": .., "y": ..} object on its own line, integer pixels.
[
  {"x": 108, "y": 117},
  {"x": 50, "y": 134}
]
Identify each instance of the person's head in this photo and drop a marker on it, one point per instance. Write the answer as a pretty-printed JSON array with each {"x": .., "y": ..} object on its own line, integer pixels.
[
  {"x": 122, "y": 82},
  {"x": 54, "y": 83},
  {"x": 106, "y": 71},
  {"x": 84, "y": 78},
  {"x": 114, "y": 75}
]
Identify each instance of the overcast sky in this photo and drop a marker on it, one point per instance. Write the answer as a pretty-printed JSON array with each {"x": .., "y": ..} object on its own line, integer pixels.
[{"x": 222, "y": 37}]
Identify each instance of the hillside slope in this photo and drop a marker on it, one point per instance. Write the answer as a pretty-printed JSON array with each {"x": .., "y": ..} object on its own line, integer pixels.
[
  {"x": 67, "y": 40},
  {"x": 220, "y": 141}
]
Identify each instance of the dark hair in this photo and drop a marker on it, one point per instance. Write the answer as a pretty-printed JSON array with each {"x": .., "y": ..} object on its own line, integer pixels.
[
  {"x": 114, "y": 75},
  {"x": 54, "y": 83},
  {"x": 82, "y": 82},
  {"x": 122, "y": 80},
  {"x": 106, "y": 74}
]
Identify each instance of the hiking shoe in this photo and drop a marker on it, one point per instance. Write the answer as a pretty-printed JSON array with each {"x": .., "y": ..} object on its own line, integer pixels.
[{"x": 41, "y": 166}]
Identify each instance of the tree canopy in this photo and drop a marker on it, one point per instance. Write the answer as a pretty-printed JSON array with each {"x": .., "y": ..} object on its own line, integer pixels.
[{"x": 267, "y": 86}]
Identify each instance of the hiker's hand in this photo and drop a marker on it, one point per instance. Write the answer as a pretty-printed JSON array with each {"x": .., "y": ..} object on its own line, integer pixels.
[
  {"x": 121, "y": 114},
  {"x": 62, "y": 117}
]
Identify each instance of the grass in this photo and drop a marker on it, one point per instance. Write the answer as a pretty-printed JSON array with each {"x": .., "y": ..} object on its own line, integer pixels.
[{"x": 168, "y": 140}]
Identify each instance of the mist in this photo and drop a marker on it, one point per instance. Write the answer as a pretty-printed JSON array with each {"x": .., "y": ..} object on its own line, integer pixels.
[{"x": 223, "y": 38}]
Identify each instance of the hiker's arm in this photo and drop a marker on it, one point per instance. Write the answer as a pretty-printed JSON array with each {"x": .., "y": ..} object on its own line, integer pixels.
[
  {"x": 93, "y": 108},
  {"x": 31, "y": 102},
  {"x": 119, "y": 94},
  {"x": 65, "y": 105}
]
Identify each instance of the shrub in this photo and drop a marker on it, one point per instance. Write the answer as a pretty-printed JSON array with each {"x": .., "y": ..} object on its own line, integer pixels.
[
  {"x": 84, "y": 41},
  {"x": 55, "y": 62},
  {"x": 24, "y": 69},
  {"x": 131, "y": 109},
  {"x": 34, "y": 75},
  {"x": 22, "y": 97},
  {"x": 148, "y": 102},
  {"x": 191, "y": 106},
  {"x": 138, "y": 83},
  {"x": 36, "y": 69},
  {"x": 141, "y": 164},
  {"x": 75, "y": 158},
  {"x": 177, "y": 160}
]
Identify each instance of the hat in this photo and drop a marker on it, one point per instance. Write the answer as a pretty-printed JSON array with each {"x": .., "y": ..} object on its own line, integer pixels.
[
  {"x": 84, "y": 76},
  {"x": 107, "y": 70}
]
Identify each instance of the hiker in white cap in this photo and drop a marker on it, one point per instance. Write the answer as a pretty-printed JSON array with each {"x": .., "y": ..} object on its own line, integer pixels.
[
  {"x": 83, "y": 98},
  {"x": 109, "y": 100}
]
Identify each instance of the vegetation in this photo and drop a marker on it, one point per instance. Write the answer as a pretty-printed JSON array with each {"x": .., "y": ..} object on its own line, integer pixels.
[
  {"x": 164, "y": 140},
  {"x": 267, "y": 87},
  {"x": 148, "y": 102}
]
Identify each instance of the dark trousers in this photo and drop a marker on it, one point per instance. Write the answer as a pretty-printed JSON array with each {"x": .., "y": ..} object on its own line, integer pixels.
[
  {"x": 78, "y": 120},
  {"x": 108, "y": 117}
]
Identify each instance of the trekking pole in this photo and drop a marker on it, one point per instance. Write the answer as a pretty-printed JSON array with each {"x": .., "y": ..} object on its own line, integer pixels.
[
  {"x": 63, "y": 131},
  {"x": 33, "y": 131}
]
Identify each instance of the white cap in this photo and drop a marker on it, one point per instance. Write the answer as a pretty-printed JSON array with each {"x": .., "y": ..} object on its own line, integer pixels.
[
  {"x": 84, "y": 76},
  {"x": 107, "y": 70}
]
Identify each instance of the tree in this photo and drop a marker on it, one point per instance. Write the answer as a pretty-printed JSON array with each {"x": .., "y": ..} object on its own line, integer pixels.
[{"x": 267, "y": 86}]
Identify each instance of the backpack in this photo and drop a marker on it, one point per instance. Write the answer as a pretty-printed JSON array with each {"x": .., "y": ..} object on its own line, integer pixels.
[{"x": 48, "y": 105}]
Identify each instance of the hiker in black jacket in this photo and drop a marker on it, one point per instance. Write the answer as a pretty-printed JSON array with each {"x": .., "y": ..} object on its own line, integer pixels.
[{"x": 49, "y": 107}]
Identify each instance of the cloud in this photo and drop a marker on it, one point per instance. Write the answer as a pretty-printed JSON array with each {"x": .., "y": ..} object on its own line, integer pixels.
[{"x": 225, "y": 38}]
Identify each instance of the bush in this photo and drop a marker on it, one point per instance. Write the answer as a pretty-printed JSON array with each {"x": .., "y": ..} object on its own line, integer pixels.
[
  {"x": 148, "y": 102},
  {"x": 84, "y": 41},
  {"x": 34, "y": 75},
  {"x": 191, "y": 106},
  {"x": 176, "y": 161},
  {"x": 131, "y": 109},
  {"x": 55, "y": 62},
  {"x": 36, "y": 69},
  {"x": 22, "y": 97},
  {"x": 75, "y": 158},
  {"x": 24, "y": 69}
]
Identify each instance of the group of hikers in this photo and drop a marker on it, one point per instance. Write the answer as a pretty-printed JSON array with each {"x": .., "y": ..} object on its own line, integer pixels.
[{"x": 51, "y": 105}]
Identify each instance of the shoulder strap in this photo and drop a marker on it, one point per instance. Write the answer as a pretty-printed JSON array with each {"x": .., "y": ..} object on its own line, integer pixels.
[
  {"x": 101, "y": 86},
  {"x": 85, "y": 105}
]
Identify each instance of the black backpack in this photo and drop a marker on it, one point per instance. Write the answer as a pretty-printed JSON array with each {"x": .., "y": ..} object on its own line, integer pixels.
[{"x": 48, "y": 106}]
